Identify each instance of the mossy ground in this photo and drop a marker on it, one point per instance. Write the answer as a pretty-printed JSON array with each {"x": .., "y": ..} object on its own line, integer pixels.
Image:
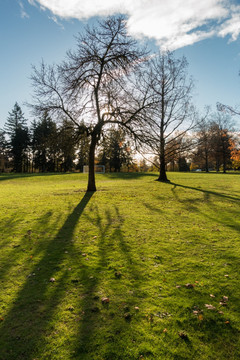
[{"x": 135, "y": 241}]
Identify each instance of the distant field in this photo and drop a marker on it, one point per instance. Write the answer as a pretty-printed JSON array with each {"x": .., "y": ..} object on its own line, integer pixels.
[{"x": 137, "y": 270}]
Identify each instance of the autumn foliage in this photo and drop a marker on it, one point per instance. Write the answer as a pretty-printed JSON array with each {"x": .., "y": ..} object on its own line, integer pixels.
[{"x": 235, "y": 155}]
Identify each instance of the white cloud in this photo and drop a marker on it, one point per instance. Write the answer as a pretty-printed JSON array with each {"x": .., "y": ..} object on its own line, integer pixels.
[
  {"x": 232, "y": 25},
  {"x": 173, "y": 23},
  {"x": 55, "y": 19},
  {"x": 23, "y": 12}
]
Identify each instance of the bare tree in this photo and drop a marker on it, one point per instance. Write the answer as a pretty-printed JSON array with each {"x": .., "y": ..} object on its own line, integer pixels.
[
  {"x": 213, "y": 136},
  {"x": 204, "y": 148},
  {"x": 221, "y": 134},
  {"x": 93, "y": 87},
  {"x": 172, "y": 115}
]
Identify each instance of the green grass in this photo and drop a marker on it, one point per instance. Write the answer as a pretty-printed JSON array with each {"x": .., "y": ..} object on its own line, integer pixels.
[{"x": 135, "y": 241}]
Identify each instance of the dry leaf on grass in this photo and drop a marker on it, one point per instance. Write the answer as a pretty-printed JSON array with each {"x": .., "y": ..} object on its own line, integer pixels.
[
  {"x": 210, "y": 307},
  {"x": 105, "y": 300}
]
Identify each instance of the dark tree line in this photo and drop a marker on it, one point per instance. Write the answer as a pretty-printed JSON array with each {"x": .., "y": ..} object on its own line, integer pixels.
[{"x": 46, "y": 147}]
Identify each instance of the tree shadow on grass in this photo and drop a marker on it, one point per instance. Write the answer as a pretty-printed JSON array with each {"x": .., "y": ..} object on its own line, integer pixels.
[
  {"x": 16, "y": 250},
  {"x": 103, "y": 325},
  {"x": 227, "y": 217},
  {"x": 32, "y": 324},
  {"x": 14, "y": 176},
  {"x": 25, "y": 327},
  {"x": 130, "y": 175},
  {"x": 207, "y": 193}
]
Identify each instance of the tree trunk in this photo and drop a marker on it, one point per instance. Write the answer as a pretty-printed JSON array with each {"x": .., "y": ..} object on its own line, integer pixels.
[
  {"x": 224, "y": 163},
  {"x": 206, "y": 162},
  {"x": 224, "y": 157},
  {"x": 91, "y": 163},
  {"x": 162, "y": 175}
]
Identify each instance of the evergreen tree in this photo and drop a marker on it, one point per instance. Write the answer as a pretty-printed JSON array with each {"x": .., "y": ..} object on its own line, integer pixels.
[
  {"x": 17, "y": 131},
  {"x": 3, "y": 151},
  {"x": 45, "y": 144},
  {"x": 67, "y": 145},
  {"x": 83, "y": 145},
  {"x": 115, "y": 151}
]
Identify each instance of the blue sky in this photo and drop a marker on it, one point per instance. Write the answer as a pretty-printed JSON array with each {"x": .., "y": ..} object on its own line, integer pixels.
[{"x": 207, "y": 32}]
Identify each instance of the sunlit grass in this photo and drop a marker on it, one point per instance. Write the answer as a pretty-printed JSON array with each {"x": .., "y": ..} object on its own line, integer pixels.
[{"x": 135, "y": 241}]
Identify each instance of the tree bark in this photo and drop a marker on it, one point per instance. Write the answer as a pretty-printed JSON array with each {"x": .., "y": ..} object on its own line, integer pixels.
[
  {"x": 224, "y": 157},
  {"x": 162, "y": 174},
  {"x": 91, "y": 163},
  {"x": 206, "y": 162}
]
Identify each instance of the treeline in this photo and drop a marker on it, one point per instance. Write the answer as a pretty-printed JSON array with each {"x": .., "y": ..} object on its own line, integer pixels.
[
  {"x": 214, "y": 145},
  {"x": 45, "y": 146}
]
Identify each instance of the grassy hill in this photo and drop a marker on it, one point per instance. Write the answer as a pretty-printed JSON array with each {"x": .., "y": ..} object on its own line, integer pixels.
[{"x": 137, "y": 270}]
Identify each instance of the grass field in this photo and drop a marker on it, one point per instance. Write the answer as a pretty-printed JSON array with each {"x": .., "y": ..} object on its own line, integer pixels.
[{"x": 137, "y": 270}]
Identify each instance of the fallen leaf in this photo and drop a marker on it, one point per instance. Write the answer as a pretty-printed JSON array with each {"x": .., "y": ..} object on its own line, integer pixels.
[
  {"x": 210, "y": 307},
  {"x": 189, "y": 286},
  {"x": 200, "y": 317},
  {"x": 105, "y": 300},
  {"x": 222, "y": 303}
]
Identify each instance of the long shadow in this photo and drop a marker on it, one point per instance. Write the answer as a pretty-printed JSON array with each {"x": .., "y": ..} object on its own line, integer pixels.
[
  {"x": 130, "y": 175},
  {"x": 90, "y": 303},
  {"x": 222, "y": 217},
  {"x": 209, "y": 192},
  {"x": 17, "y": 250},
  {"x": 110, "y": 240},
  {"x": 13, "y": 176},
  {"x": 120, "y": 175},
  {"x": 23, "y": 331}
]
